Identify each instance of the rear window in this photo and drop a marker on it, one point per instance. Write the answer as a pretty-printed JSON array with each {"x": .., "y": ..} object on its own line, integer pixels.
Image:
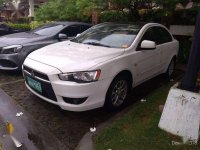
[{"x": 48, "y": 30}]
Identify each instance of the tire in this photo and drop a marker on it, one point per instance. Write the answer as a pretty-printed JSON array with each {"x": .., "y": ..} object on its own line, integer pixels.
[
  {"x": 170, "y": 69},
  {"x": 117, "y": 93}
]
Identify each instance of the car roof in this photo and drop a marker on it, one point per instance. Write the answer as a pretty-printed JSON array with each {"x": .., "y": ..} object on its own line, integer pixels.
[
  {"x": 136, "y": 24},
  {"x": 66, "y": 23}
]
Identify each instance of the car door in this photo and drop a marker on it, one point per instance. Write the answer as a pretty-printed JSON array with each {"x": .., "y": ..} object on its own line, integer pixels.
[
  {"x": 166, "y": 46},
  {"x": 148, "y": 61}
]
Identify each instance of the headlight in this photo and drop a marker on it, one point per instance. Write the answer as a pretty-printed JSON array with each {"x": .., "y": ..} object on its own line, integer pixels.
[
  {"x": 11, "y": 49},
  {"x": 81, "y": 77}
]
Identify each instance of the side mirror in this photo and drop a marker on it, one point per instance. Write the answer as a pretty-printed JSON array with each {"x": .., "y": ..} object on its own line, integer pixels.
[
  {"x": 148, "y": 45},
  {"x": 62, "y": 36}
]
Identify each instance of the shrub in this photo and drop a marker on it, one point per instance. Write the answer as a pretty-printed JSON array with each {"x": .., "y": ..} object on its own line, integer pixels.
[
  {"x": 19, "y": 26},
  {"x": 178, "y": 17},
  {"x": 35, "y": 24},
  {"x": 114, "y": 16},
  {"x": 151, "y": 15},
  {"x": 57, "y": 10},
  {"x": 185, "y": 17},
  {"x": 23, "y": 20}
]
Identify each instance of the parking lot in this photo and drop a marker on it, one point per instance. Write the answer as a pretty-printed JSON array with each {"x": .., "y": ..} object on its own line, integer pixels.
[{"x": 69, "y": 127}]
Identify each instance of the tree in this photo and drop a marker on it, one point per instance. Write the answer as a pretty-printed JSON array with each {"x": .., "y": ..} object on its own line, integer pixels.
[
  {"x": 55, "y": 10},
  {"x": 84, "y": 9},
  {"x": 2, "y": 3}
]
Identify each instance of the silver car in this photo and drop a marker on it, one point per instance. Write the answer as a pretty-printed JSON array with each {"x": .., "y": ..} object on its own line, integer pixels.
[{"x": 15, "y": 47}]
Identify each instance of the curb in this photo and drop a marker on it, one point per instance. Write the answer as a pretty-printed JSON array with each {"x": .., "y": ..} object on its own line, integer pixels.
[{"x": 86, "y": 142}]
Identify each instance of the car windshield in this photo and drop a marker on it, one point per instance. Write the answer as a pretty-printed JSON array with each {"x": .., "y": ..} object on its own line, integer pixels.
[
  {"x": 109, "y": 35},
  {"x": 48, "y": 30}
]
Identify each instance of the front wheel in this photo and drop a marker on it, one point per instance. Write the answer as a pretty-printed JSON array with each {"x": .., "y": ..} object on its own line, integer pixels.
[{"x": 117, "y": 93}]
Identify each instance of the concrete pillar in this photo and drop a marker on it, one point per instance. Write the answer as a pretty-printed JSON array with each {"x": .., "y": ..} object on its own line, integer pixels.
[
  {"x": 189, "y": 81},
  {"x": 31, "y": 8}
]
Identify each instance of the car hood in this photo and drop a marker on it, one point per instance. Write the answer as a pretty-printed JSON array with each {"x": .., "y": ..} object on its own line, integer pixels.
[
  {"x": 20, "y": 38},
  {"x": 69, "y": 56},
  {"x": 3, "y": 44}
]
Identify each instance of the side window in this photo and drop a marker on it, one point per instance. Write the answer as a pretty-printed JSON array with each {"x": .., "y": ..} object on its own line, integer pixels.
[
  {"x": 164, "y": 35},
  {"x": 84, "y": 27},
  {"x": 71, "y": 31},
  {"x": 157, "y": 34},
  {"x": 150, "y": 35}
]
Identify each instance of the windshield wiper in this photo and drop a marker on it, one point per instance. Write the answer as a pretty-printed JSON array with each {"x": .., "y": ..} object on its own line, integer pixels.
[{"x": 96, "y": 44}]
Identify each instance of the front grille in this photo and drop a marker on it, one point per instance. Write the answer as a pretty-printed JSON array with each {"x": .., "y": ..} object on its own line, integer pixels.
[
  {"x": 36, "y": 73},
  {"x": 47, "y": 90}
]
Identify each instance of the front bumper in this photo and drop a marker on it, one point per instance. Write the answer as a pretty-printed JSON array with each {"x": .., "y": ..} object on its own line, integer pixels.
[
  {"x": 57, "y": 90},
  {"x": 94, "y": 92},
  {"x": 10, "y": 61}
]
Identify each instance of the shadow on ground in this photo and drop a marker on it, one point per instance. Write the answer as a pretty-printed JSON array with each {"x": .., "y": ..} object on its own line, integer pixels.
[
  {"x": 9, "y": 76},
  {"x": 69, "y": 127}
]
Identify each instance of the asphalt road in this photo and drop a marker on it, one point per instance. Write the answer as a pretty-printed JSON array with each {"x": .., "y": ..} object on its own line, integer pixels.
[{"x": 69, "y": 127}]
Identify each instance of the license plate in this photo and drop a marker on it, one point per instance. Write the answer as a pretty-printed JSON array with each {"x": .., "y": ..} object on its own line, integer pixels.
[{"x": 34, "y": 84}]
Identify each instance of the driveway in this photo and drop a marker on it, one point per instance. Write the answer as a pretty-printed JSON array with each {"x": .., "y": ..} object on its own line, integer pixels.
[{"x": 68, "y": 127}]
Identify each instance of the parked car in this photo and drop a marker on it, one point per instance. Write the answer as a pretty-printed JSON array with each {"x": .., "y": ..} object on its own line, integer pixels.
[
  {"x": 5, "y": 30},
  {"x": 15, "y": 47},
  {"x": 100, "y": 66}
]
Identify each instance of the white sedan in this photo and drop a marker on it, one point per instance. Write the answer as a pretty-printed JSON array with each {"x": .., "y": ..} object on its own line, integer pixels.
[{"x": 100, "y": 66}]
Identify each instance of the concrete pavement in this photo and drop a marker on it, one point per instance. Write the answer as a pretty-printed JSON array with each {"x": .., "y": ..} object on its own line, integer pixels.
[{"x": 29, "y": 132}]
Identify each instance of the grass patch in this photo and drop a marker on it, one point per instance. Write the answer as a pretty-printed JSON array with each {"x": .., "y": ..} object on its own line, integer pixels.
[{"x": 138, "y": 129}]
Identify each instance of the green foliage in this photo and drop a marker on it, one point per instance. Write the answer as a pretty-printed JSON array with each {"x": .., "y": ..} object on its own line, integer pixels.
[
  {"x": 113, "y": 16},
  {"x": 27, "y": 26},
  {"x": 23, "y": 20},
  {"x": 179, "y": 17},
  {"x": 19, "y": 26},
  {"x": 35, "y": 24},
  {"x": 1, "y": 4},
  {"x": 84, "y": 9},
  {"x": 151, "y": 15},
  {"x": 81, "y": 10},
  {"x": 185, "y": 17},
  {"x": 71, "y": 10},
  {"x": 137, "y": 129},
  {"x": 74, "y": 9},
  {"x": 122, "y": 3},
  {"x": 167, "y": 4},
  {"x": 57, "y": 10}
]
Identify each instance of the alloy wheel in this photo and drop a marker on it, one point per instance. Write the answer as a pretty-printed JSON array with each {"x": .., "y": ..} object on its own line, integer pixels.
[{"x": 119, "y": 93}]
